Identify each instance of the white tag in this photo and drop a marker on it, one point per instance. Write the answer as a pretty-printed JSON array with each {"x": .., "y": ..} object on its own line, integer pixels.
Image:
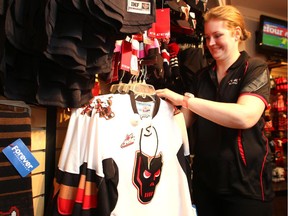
[
  {"x": 140, "y": 7},
  {"x": 145, "y": 109}
]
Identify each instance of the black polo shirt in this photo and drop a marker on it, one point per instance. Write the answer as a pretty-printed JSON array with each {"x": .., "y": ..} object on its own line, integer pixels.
[{"x": 233, "y": 161}]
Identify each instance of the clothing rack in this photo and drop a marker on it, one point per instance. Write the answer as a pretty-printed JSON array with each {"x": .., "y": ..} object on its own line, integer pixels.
[{"x": 147, "y": 62}]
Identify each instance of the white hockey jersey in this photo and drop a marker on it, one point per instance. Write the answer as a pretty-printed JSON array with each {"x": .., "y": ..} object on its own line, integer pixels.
[{"x": 130, "y": 156}]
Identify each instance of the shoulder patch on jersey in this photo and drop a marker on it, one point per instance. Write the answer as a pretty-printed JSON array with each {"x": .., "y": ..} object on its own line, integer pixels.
[{"x": 104, "y": 108}]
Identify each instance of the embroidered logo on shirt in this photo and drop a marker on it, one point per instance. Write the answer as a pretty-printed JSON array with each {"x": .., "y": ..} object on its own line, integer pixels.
[
  {"x": 233, "y": 82},
  {"x": 129, "y": 140}
]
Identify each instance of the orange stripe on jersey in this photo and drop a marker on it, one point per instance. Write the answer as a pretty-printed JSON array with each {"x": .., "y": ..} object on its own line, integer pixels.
[{"x": 67, "y": 192}]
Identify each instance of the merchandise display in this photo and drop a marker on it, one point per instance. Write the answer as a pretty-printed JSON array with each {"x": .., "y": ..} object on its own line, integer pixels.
[
  {"x": 126, "y": 148},
  {"x": 53, "y": 60}
]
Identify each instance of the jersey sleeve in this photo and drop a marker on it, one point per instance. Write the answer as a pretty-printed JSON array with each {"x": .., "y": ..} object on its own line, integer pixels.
[{"x": 256, "y": 81}]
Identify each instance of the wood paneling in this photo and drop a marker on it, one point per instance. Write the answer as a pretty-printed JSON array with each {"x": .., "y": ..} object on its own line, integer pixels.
[
  {"x": 38, "y": 149},
  {"x": 38, "y": 146}
]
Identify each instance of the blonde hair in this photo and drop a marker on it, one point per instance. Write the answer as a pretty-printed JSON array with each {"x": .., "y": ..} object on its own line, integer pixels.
[{"x": 231, "y": 16}]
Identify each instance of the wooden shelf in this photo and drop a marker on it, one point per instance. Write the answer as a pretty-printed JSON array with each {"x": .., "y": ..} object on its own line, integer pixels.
[
  {"x": 278, "y": 68},
  {"x": 280, "y": 186},
  {"x": 276, "y": 64}
]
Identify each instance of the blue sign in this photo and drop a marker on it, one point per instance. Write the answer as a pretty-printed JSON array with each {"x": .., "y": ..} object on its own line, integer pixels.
[{"x": 21, "y": 158}]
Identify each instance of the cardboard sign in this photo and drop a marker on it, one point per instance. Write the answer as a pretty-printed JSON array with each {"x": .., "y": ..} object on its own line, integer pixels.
[{"x": 161, "y": 28}]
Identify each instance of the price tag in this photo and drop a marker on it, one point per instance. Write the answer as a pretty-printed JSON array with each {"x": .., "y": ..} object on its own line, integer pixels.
[
  {"x": 20, "y": 157},
  {"x": 161, "y": 28}
]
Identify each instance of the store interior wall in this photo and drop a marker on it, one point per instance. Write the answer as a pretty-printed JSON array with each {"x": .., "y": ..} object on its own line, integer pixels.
[
  {"x": 252, "y": 19},
  {"x": 252, "y": 11}
]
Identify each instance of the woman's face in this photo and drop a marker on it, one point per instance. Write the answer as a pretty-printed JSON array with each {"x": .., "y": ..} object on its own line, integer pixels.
[{"x": 221, "y": 41}]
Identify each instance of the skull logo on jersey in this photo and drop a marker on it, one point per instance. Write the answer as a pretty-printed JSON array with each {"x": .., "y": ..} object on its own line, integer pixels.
[{"x": 146, "y": 175}]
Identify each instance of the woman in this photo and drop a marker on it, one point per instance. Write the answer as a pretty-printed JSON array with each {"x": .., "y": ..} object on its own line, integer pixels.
[{"x": 232, "y": 173}]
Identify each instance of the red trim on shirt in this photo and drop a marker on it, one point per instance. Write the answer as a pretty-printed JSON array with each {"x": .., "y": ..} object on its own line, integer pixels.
[
  {"x": 246, "y": 67},
  {"x": 263, "y": 165},
  {"x": 240, "y": 147}
]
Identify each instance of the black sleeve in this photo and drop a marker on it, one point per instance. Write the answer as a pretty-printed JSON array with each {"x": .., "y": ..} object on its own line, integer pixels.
[{"x": 256, "y": 80}]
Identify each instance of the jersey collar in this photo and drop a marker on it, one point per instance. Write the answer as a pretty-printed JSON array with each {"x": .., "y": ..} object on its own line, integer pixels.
[{"x": 146, "y": 99}]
